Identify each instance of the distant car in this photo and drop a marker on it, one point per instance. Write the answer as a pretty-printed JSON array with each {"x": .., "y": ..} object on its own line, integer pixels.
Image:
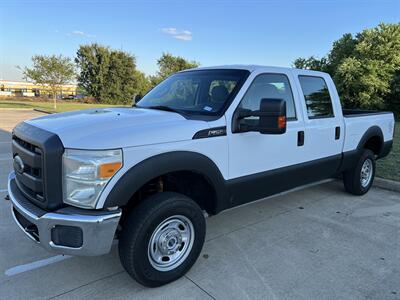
[
  {"x": 203, "y": 140},
  {"x": 68, "y": 97},
  {"x": 79, "y": 96}
]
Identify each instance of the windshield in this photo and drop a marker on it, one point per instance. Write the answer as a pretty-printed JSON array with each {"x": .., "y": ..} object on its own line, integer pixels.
[{"x": 206, "y": 92}]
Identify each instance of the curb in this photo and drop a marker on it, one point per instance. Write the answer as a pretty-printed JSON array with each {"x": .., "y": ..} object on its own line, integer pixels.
[
  {"x": 387, "y": 184},
  {"x": 42, "y": 111}
]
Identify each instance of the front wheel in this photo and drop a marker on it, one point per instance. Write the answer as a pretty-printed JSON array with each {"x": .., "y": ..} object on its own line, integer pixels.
[
  {"x": 162, "y": 238},
  {"x": 359, "y": 180}
]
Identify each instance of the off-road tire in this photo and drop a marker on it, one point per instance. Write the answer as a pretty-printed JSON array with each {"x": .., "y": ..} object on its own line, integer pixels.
[
  {"x": 352, "y": 178},
  {"x": 138, "y": 230}
]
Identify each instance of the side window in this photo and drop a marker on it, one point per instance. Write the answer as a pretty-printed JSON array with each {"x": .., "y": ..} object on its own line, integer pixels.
[
  {"x": 316, "y": 95},
  {"x": 273, "y": 86}
]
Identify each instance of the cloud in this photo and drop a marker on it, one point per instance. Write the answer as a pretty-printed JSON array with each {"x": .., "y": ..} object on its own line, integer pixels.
[
  {"x": 184, "y": 35},
  {"x": 81, "y": 34}
]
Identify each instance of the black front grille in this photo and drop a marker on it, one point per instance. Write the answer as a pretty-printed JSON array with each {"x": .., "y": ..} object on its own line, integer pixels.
[
  {"x": 26, "y": 145},
  {"x": 29, "y": 180},
  {"x": 41, "y": 154}
]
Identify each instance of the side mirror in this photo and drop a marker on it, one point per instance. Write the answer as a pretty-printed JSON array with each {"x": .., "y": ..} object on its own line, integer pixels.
[
  {"x": 136, "y": 99},
  {"x": 274, "y": 120},
  {"x": 271, "y": 118}
]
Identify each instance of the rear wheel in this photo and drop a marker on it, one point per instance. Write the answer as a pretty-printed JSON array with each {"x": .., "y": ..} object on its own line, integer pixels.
[
  {"x": 359, "y": 180},
  {"x": 162, "y": 238}
]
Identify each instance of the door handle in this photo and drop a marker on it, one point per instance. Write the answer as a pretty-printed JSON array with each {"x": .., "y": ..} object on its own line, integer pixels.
[
  {"x": 337, "y": 133},
  {"x": 300, "y": 138}
]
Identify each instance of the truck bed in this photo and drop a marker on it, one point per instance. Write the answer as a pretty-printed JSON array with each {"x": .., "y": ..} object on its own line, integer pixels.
[{"x": 358, "y": 121}]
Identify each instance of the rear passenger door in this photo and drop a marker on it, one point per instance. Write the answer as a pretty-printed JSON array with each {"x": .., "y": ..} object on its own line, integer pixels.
[{"x": 323, "y": 121}]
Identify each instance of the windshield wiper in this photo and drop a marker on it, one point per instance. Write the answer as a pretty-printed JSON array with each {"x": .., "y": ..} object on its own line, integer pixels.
[{"x": 163, "y": 107}]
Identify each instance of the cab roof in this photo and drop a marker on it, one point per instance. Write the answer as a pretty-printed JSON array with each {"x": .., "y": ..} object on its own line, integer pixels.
[{"x": 260, "y": 68}]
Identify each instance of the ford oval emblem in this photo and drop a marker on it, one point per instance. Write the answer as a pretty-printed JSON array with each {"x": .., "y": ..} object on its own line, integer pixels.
[{"x": 18, "y": 164}]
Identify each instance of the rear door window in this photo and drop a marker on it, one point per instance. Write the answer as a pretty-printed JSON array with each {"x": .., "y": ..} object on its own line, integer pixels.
[{"x": 317, "y": 97}]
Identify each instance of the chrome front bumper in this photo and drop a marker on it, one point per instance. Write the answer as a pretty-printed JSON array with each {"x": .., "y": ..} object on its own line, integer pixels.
[{"x": 96, "y": 228}]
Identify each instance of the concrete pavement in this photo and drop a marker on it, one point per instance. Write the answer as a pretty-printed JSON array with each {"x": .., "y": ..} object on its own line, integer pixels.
[{"x": 313, "y": 243}]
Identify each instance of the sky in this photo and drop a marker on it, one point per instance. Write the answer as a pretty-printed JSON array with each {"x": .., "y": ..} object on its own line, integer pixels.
[{"x": 211, "y": 32}]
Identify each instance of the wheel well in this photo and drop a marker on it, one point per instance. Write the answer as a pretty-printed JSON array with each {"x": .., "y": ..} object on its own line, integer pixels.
[
  {"x": 374, "y": 144},
  {"x": 189, "y": 183}
]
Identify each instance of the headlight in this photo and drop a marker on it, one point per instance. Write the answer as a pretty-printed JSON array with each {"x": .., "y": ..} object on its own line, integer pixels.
[{"x": 86, "y": 173}]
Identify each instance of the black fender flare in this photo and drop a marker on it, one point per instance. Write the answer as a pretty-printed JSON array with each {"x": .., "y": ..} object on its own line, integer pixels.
[
  {"x": 161, "y": 164},
  {"x": 371, "y": 132}
]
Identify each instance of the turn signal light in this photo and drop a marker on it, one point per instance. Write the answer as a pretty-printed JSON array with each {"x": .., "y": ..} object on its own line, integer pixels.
[
  {"x": 281, "y": 122},
  {"x": 109, "y": 169}
]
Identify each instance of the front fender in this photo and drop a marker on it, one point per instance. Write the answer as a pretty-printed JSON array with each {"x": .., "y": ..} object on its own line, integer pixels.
[{"x": 161, "y": 164}]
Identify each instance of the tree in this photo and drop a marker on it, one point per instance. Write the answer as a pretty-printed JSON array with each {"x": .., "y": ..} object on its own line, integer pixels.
[
  {"x": 120, "y": 80},
  {"x": 365, "y": 68},
  {"x": 52, "y": 71},
  {"x": 169, "y": 64},
  {"x": 394, "y": 102},
  {"x": 93, "y": 62},
  {"x": 109, "y": 75},
  {"x": 311, "y": 63},
  {"x": 367, "y": 75},
  {"x": 341, "y": 49},
  {"x": 143, "y": 84}
]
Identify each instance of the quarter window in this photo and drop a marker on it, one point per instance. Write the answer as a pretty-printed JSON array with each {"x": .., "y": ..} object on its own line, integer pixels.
[
  {"x": 270, "y": 86},
  {"x": 316, "y": 96}
]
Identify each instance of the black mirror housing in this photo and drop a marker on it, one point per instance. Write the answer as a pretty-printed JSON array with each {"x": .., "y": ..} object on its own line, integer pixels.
[
  {"x": 136, "y": 99},
  {"x": 273, "y": 116}
]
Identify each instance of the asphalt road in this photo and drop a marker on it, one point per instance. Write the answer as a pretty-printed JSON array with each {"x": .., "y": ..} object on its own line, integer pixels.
[{"x": 312, "y": 243}]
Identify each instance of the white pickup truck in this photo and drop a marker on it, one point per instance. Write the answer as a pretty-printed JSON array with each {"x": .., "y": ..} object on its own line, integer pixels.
[{"x": 202, "y": 141}]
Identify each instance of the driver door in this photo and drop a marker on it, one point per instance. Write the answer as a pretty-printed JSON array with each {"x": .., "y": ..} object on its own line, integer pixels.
[{"x": 254, "y": 157}]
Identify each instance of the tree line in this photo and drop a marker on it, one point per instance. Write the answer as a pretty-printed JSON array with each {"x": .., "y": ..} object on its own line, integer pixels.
[
  {"x": 365, "y": 68},
  {"x": 107, "y": 75}
]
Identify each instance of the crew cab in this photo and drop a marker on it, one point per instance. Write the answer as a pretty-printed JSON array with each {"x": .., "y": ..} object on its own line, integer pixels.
[{"x": 202, "y": 141}]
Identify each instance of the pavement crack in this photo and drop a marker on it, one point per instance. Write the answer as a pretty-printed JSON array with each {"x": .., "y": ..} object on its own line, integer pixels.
[
  {"x": 211, "y": 296},
  {"x": 86, "y": 284},
  {"x": 249, "y": 264}
]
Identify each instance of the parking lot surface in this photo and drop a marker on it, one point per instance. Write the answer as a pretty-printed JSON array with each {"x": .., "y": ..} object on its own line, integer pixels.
[{"x": 312, "y": 243}]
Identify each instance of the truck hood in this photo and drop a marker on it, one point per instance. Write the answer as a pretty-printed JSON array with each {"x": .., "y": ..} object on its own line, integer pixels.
[{"x": 118, "y": 127}]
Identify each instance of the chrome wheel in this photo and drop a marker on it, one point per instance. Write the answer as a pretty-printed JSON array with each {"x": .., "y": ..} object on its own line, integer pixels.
[
  {"x": 171, "y": 243},
  {"x": 366, "y": 172}
]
